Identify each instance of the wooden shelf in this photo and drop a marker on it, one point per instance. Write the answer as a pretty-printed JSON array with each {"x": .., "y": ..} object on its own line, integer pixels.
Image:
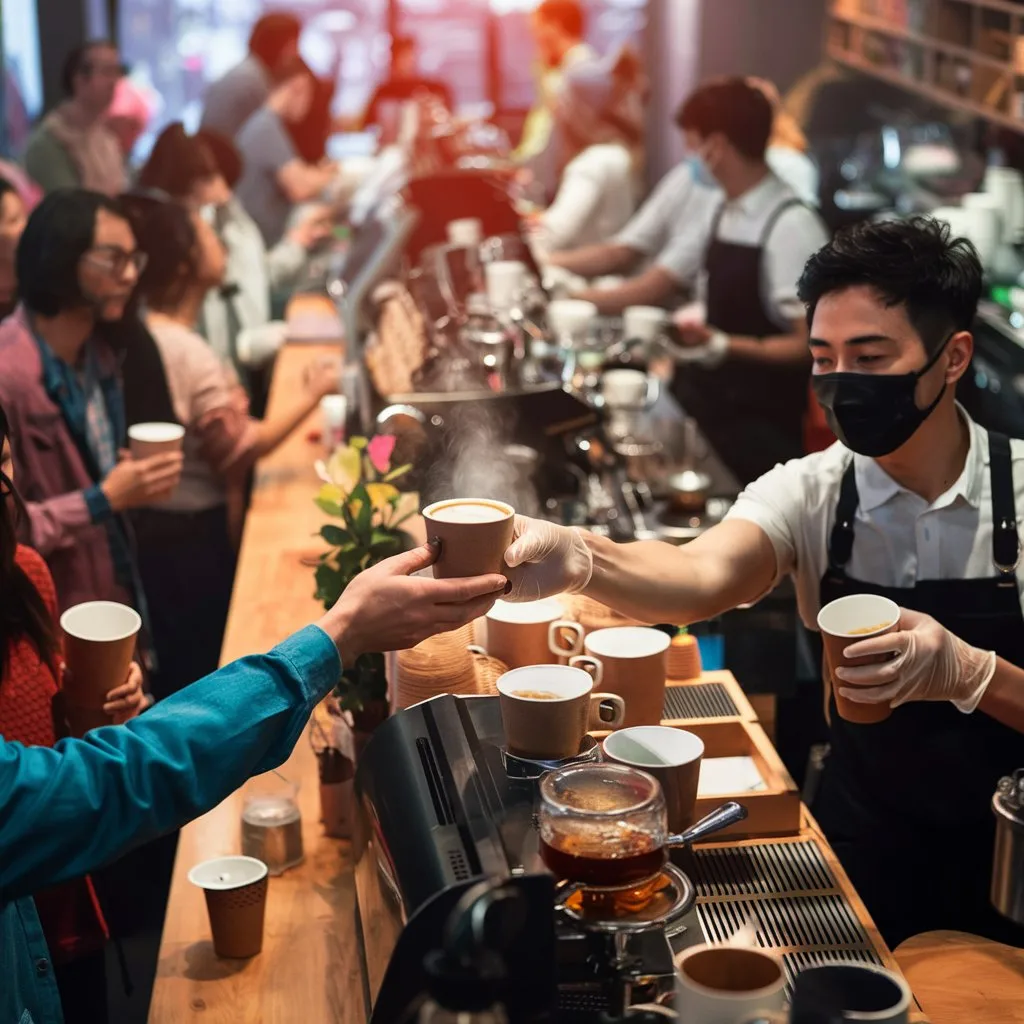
[{"x": 966, "y": 55}]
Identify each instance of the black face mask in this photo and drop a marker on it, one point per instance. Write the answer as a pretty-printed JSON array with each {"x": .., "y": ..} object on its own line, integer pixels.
[{"x": 874, "y": 414}]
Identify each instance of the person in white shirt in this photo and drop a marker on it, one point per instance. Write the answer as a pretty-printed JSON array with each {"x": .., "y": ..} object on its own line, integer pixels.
[
  {"x": 597, "y": 192},
  {"x": 914, "y": 502}
]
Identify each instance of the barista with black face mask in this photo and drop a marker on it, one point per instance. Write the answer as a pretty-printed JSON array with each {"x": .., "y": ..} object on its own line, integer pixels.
[{"x": 915, "y": 502}]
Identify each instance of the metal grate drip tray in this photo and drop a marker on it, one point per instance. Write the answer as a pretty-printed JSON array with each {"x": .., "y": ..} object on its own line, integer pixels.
[{"x": 699, "y": 700}]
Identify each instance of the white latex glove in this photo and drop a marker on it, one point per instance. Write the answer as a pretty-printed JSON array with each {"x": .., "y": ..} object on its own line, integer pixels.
[
  {"x": 930, "y": 664},
  {"x": 545, "y": 560}
]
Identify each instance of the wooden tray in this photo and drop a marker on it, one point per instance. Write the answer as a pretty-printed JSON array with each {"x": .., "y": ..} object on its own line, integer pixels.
[{"x": 774, "y": 811}]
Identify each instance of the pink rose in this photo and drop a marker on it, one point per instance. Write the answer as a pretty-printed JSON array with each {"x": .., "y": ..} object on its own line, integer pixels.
[{"x": 380, "y": 449}]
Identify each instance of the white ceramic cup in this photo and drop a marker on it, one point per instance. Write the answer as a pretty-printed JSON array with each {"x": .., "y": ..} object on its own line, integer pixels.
[
  {"x": 465, "y": 233},
  {"x": 333, "y": 412},
  {"x": 505, "y": 281},
  {"x": 148, "y": 439},
  {"x": 728, "y": 984},
  {"x": 569, "y": 319},
  {"x": 624, "y": 389},
  {"x": 643, "y": 323}
]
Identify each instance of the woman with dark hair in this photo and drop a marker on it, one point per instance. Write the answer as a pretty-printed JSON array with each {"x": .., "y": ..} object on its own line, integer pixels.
[
  {"x": 31, "y": 671},
  {"x": 186, "y": 544}
]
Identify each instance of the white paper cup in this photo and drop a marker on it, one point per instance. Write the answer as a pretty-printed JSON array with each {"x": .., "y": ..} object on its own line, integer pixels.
[
  {"x": 148, "y": 439},
  {"x": 643, "y": 323},
  {"x": 505, "y": 281},
  {"x": 465, "y": 233},
  {"x": 624, "y": 389},
  {"x": 569, "y": 319},
  {"x": 333, "y": 412}
]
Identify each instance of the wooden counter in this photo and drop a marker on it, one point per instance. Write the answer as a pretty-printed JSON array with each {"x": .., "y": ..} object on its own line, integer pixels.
[{"x": 309, "y": 969}]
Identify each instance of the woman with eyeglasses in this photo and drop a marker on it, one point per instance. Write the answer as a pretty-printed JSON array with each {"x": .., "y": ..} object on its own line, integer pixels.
[
  {"x": 31, "y": 675},
  {"x": 67, "y": 809},
  {"x": 187, "y": 542}
]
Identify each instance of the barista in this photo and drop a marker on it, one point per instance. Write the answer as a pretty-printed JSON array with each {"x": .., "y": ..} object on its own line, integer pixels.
[{"x": 915, "y": 502}]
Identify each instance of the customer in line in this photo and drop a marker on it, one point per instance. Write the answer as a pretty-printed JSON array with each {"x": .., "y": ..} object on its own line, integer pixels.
[
  {"x": 275, "y": 179},
  {"x": 233, "y": 99},
  {"x": 74, "y": 146},
  {"x": 64, "y": 811},
  {"x": 32, "y": 673},
  {"x": 12, "y": 224},
  {"x": 187, "y": 543},
  {"x": 77, "y": 264},
  {"x": 916, "y": 503},
  {"x": 597, "y": 189}
]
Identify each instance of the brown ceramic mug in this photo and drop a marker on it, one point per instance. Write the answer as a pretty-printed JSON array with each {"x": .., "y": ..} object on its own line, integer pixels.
[
  {"x": 632, "y": 662},
  {"x": 546, "y": 710},
  {"x": 531, "y": 633},
  {"x": 474, "y": 533}
]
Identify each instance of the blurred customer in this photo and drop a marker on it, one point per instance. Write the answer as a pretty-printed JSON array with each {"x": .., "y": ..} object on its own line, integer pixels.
[
  {"x": 202, "y": 170},
  {"x": 28, "y": 191},
  {"x": 558, "y": 29},
  {"x": 787, "y": 148},
  {"x": 129, "y": 115},
  {"x": 275, "y": 178},
  {"x": 74, "y": 145},
  {"x": 233, "y": 99},
  {"x": 404, "y": 83},
  {"x": 31, "y": 676},
  {"x": 596, "y": 196},
  {"x": 187, "y": 543},
  {"x": 76, "y": 265},
  {"x": 12, "y": 224}
]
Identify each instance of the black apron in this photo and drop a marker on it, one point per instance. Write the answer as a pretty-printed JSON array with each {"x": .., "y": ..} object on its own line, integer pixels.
[
  {"x": 751, "y": 413},
  {"x": 906, "y": 802}
]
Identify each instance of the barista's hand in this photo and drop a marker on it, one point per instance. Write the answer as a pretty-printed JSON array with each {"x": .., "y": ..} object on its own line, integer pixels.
[
  {"x": 386, "y": 608},
  {"x": 322, "y": 377},
  {"x": 930, "y": 664},
  {"x": 546, "y": 559},
  {"x": 692, "y": 333}
]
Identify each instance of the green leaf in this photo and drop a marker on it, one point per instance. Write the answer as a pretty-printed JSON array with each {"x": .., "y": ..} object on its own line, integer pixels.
[
  {"x": 358, "y": 442},
  {"x": 332, "y": 508},
  {"x": 334, "y": 535},
  {"x": 396, "y": 473},
  {"x": 329, "y": 585},
  {"x": 383, "y": 538}
]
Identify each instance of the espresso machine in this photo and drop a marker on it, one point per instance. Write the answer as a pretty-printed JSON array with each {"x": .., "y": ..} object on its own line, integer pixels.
[{"x": 442, "y": 808}]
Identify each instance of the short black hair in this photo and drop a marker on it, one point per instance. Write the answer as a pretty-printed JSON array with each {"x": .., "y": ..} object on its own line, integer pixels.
[
  {"x": 177, "y": 162},
  {"x": 5, "y": 187},
  {"x": 166, "y": 233},
  {"x": 225, "y": 155},
  {"x": 915, "y": 263},
  {"x": 272, "y": 35},
  {"x": 566, "y": 14},
  {"x": 59, "y": 232},
  {"x": 733, "y": 108},
  {"x": 77, "y": 62}
]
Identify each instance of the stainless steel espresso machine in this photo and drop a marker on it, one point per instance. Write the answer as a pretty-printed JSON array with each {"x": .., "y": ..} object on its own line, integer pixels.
[{"x": 443, "y": 808}]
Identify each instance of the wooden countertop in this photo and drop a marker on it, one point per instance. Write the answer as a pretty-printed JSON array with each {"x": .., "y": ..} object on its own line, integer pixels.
[
  {"x": 309, "y": 969},
  {"x": 960, "y": 979}
]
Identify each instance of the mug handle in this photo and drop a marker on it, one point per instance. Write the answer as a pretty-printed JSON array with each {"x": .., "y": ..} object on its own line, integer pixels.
[
  {"x": 589, "y": 665},
  {"x": 555, "y": 637},
  {"x": 596, "y": 721}
]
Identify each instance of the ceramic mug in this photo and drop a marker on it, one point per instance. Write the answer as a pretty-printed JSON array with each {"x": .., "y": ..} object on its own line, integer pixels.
[
  {"x": 852, "y": 992},
  {"x": 728, "y": 985},
  {"x": 531, "y": 633}
]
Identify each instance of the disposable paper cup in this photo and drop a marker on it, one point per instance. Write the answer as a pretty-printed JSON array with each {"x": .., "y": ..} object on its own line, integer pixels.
[
  {"x": 99, "y": 641},
  {"x": 505, "y": 280},
  {"x": 148, "y": 439},
  {"x": 465, "y": 232},
  {"x": 236, "y": 900},
  {"x": 643, "y": 323},
  {"x": 843, "y": 623},
  {"x": 469, "y": 547},
  {"x": 333, "y": 412}
]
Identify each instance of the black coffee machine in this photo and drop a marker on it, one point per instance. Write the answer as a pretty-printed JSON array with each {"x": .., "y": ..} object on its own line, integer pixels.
[{"x": 442, "y": 808}]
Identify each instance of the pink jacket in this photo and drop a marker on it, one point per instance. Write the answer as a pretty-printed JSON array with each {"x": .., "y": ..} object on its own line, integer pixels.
[{"x": 51, "y": 476}]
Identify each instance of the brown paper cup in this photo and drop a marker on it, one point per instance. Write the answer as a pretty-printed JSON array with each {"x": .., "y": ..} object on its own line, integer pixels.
[
  {"x": 81, "y": 720},
  {"x": 148, "y": 439},
  {"x": 552, "y": 727},
  {"x": 630, "y": 661},
  {"x": 236, "y": 900},
  {"x": 99, "y": 641},
  {"x": 469, "y": 546},
  {"x": 531, "y": 633},
  {"x": 843, "y": 623},
  {"x": 672, "y": 756}
]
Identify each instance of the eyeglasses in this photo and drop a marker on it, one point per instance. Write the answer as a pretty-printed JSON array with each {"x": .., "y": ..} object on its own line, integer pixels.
[{"x": 115, "y": 260}]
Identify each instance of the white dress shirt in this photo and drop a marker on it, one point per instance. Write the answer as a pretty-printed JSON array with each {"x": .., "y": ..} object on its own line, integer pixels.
[{"x": 899, "y": 538}]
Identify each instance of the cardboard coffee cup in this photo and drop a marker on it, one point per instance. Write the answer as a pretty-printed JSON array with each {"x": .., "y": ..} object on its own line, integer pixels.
[
  {"x": 531, "y": 633},
  {"x": 99, "y": 641},
  {"x": 728, "y": 984},
  {"x": 148, "y": 439},
  {"x": 844, "y": 622},
  {"x": 546, "y": 710},
  {"x": 672, "y": 756},
  {"x": 474, "y": 533},
  {"x": 236, "y": 900},
  {"x": 631, "y": 661}
]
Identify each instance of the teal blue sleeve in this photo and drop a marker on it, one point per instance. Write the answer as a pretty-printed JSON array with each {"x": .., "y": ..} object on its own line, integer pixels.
[{"x": 70, "y": 809}]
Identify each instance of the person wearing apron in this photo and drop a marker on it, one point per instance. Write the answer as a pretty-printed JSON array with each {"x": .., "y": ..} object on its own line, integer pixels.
[
  {"x": 745, "y": 382},
  {"x": 915, "y": 502}
]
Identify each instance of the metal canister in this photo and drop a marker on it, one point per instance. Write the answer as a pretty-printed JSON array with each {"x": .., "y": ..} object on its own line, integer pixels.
[{"x": 1007, "y": 892}]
